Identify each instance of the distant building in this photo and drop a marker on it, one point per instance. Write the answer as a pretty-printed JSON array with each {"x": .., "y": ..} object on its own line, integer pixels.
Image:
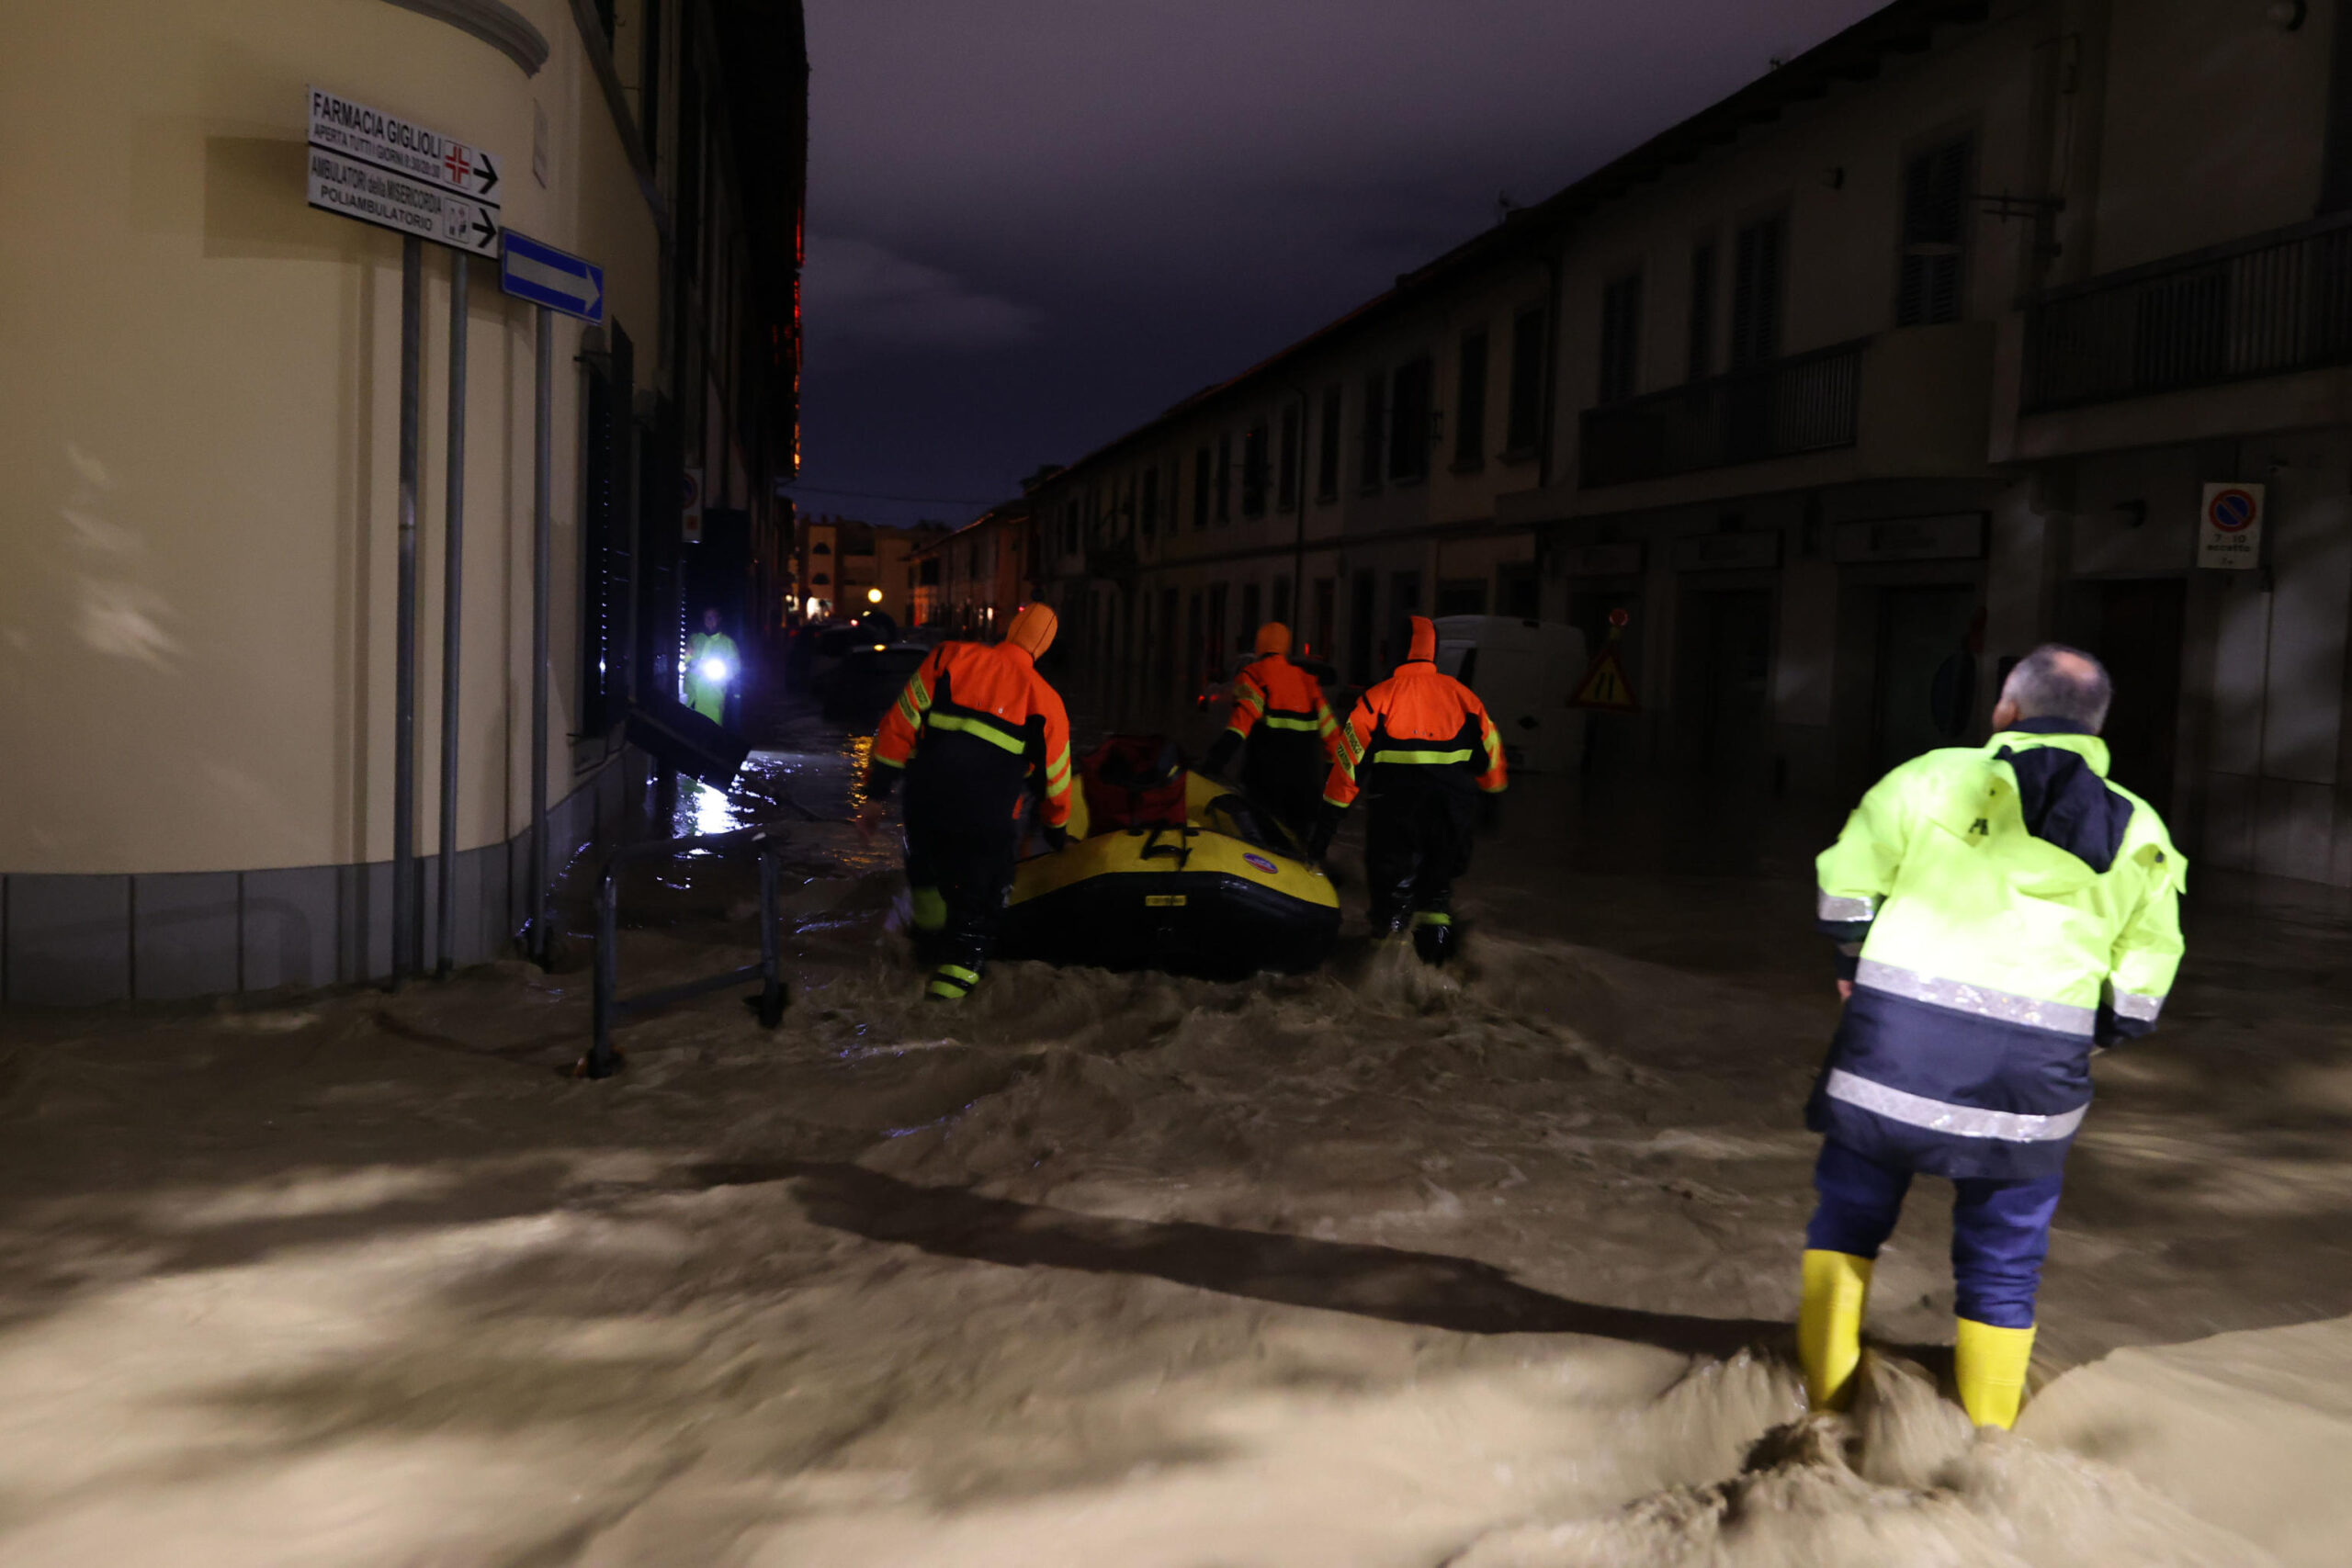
[
  {"x": 842, "y": 566},
  {"x": 1918, "y": 350},
  {"x": 972, "y": 581},
  {"x": 200, "y": 537}
]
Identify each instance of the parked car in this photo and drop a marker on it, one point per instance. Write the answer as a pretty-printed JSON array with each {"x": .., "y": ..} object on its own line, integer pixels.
[{"x": 835, "y": 642}]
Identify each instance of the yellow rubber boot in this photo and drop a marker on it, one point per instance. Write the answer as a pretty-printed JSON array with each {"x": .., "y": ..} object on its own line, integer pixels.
[
  {"x": 951, "y": 983},
  {"x": 1989, "y": 1365},
  {"x": 931, "y": 910},
  {"x": 1829, "y": 1326}
]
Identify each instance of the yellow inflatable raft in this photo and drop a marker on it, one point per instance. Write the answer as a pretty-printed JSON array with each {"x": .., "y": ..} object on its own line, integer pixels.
[{"x": 1227, "y": 894}]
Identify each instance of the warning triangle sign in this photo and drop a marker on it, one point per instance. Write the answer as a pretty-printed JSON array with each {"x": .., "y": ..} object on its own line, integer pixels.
[{"x": 1604, "y": 685}]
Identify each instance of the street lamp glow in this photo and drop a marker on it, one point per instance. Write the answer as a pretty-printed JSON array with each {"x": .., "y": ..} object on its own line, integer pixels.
[{"x": 874, "y": 595}]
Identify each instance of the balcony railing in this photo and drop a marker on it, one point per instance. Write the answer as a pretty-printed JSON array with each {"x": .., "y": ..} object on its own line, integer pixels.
[
  {"x": 2264, "y": 305},
  {"x": 1807, "y": 402}
]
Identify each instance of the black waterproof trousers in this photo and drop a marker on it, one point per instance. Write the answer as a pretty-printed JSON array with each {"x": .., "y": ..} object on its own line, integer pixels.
[
  {"x": 1416, "y": 842},
  {"x": 963, "y": 843},
  {"x": 1283, "y": 770}
]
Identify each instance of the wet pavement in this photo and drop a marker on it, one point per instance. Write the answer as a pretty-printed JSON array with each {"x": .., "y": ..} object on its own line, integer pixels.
[{"x": 1374, "y": 1266}]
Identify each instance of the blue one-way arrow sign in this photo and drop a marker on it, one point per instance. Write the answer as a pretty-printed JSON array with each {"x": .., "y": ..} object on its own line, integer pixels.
[{"x": 545, "y": 276}]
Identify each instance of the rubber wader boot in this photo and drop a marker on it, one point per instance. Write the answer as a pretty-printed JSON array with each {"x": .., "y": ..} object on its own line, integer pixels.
[
  {"x": 1989, "y": 1365},
  {"x": 1434, "y": 936},
  {"x": 951, "y": 983},
  {"x": 1829, "y": 1326}
]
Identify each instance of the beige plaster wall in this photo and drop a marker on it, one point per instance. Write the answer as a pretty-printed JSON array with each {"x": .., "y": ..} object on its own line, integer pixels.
[
  {"x": 2214, "y": 126},
  {"x": 197, "y": 551}
]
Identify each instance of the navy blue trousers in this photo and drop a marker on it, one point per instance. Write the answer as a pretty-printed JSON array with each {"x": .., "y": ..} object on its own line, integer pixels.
[{"x": 2000, "y": 1230}]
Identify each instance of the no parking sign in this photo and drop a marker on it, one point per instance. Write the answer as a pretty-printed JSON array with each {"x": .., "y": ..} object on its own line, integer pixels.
[{"x": 2229, "y": 527}]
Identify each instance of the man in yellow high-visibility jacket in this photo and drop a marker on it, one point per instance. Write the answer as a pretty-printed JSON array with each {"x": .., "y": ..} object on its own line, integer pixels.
[
  {"x": 713, "y": 668},
  {"x": 2000, "y": 912}
]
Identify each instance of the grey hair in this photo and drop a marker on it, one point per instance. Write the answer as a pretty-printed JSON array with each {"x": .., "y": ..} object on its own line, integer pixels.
[{"x": 2046, "y": 684}]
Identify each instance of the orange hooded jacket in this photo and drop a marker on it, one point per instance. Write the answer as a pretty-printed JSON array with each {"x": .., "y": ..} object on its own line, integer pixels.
[
  {"x": 984, "y": 704},
  {"x": 1275, "y": 691},
  {"x": 1420, "y": 719}
]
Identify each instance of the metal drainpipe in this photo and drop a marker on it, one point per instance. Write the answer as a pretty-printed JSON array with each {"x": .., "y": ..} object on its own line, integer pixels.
[
  {"x": 405, "y": 913},
  {"x": 542, "y": 532},
  {"x": 453, "y": 579}
]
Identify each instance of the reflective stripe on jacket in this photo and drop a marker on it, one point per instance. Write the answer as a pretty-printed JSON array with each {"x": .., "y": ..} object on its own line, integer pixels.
[
  {"x": 1279, "y": 694},
  {"x": 2000, "y": 910},
  {"x": 1420, "y": 719},
  {"x": 982, "y": 708}
]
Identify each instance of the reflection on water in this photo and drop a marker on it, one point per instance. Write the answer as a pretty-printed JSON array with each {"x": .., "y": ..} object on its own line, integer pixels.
[
  {"x": 713, "y": 812},
  {"x": 770, "y": 786}
]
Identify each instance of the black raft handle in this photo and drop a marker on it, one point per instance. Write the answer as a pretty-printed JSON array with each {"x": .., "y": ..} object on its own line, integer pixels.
[{"x": 1181, "y": 852}]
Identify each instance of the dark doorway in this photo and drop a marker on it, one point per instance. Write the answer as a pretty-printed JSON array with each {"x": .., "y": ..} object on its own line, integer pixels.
[
  {"x": 1463, "y": 596},
  {"x": 1919, "y": 631},
  {"x": 2136, "y": 627},
  {"x": 1727, "y": 665},
  {"x": 1195, "y": 649},
  {"x": 1166, "y": 677},
  {"x": 1515, "y": 589}
]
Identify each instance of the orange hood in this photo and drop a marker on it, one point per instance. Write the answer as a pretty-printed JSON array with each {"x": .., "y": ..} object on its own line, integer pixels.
[
  {"x": 1424, "y": 639},
  {"x": 1033, "y": 630},
  {"x": 1273, "y": 637}
]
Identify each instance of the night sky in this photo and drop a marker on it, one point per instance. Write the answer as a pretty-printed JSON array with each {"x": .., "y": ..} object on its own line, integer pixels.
[{"x": 1032, "y": 225}]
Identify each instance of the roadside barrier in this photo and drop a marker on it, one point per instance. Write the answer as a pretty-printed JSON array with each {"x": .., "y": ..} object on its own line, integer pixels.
[{"x": 610, "y": 1008}]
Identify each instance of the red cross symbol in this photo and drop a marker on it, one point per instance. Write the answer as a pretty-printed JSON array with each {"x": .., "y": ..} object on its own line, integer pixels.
[{"x": 457, "y": 165}]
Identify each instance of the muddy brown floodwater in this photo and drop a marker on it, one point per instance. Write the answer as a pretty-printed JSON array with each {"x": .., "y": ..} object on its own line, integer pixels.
[{"x": 1375, "y": 1267}]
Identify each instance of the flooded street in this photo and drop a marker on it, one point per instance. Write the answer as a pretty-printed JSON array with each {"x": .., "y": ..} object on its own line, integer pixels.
[{"x": 1378, "y": 1265}]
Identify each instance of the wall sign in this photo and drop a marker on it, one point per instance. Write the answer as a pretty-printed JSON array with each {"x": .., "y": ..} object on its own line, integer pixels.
[
  {"x": 1603, "y": 560},
  {"x": 1958, "y": 536},
  {"x": 1726, "y": 552},
  {"x": 2229, "y": 527},
  {"x": 393, "y": 173}
]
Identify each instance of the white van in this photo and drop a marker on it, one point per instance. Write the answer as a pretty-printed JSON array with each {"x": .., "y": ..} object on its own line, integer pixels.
[{"x": 1524, "y": 672}]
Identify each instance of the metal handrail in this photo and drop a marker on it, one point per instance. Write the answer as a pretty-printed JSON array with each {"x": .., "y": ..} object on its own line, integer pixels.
[
  {"x": 608, "y": 1007},
  {"x": 2264, "y": 305},
  {"x": 1782, "y": 407}
]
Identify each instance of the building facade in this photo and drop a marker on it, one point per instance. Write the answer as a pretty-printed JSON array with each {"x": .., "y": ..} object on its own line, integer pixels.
[
  {"x": 1921, "y": 349},
  {"x": 200, "y": 563},
  {"x": 971, "y": 583},
  {"x": 845, "y": 566}
]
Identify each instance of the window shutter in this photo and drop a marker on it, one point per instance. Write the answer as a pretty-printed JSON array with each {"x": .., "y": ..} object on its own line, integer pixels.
[
  {"x": 1935, "y": 212},
  {"x": 1755, "y": 294}
]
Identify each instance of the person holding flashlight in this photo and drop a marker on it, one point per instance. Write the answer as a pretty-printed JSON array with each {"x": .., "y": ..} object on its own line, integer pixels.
[{"x": 712, "y": 668}]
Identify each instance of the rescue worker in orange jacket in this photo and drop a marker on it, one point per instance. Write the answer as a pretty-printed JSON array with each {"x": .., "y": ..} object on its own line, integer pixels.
[
  {"x": 975, "y": 727},
  {"x": 1279, "y": 715},
  {"x": 1421, "y": 745}
]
